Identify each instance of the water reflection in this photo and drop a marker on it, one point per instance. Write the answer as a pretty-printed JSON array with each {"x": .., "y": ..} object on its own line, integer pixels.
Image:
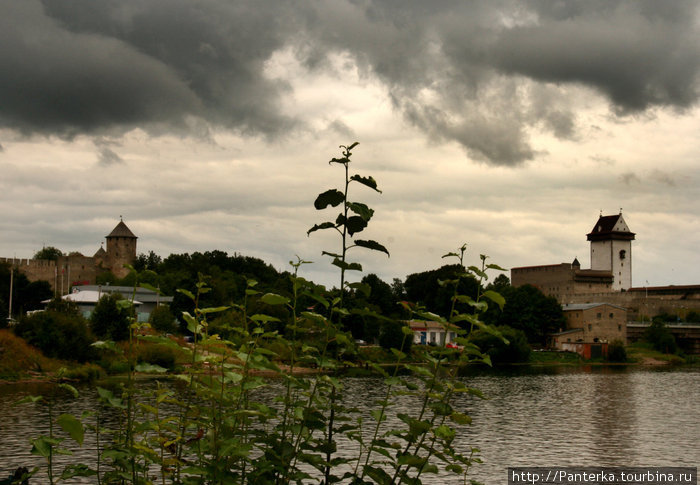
[{"x": 600, "y": 416}]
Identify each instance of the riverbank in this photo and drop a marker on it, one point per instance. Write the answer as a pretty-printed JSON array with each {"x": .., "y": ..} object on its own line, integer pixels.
[{"x": 20, "y": 362}]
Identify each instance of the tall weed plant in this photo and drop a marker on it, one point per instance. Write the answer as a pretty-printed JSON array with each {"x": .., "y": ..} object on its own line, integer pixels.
[{"x": 215, "y": 428}]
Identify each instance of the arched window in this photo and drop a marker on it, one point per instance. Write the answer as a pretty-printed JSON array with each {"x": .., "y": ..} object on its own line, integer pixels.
[{"x": 623, "y": 253}]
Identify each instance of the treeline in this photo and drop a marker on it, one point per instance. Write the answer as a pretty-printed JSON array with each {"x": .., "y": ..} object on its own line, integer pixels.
[{"x": 526, "y": 318}]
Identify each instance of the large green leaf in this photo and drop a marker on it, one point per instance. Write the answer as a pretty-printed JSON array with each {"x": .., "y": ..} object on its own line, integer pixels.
[
  {"x": 347, "y": 266},
  {"x": 77, "y": 470},
  {"x": 42, "y": 445},
  {"x": 274, "y": 299},
  {"x": 187, "y": 293},
  {"x": 323, "y": 225},
  {"x": 361, "y": 210},
  {"x": 27, "y": 399},
  {"x": 355, "y": 224},
  {"x": 261, "y": 318},
  {"x": 150, "y": 368},
  {"x": 69, "y": 388},
  {"x": 495, "y": 297},
  {"x": 73, "y": 426},
  {"x": 332, "y": 197},
  {"x": 363, "y": 288},
  {"x": 368, "y": 181},
  {"x": 369, "y": 244},
  {"x": 214, "y": 309}
]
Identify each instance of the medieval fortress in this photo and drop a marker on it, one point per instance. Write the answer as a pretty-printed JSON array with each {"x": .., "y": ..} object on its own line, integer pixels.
[
  {"x": 76, "y": 269},
  {"x": 609, "y": 280}
]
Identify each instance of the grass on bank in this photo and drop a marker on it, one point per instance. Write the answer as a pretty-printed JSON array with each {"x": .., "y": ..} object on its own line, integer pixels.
[
  {"x": 549, "y": 357},
  {"x": 20, "y": 360},
  {"x": 641, "y": 352}
]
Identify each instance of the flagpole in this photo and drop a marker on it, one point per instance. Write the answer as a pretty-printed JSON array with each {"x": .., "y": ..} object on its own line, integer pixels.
[{"x": 12, "y": 277}]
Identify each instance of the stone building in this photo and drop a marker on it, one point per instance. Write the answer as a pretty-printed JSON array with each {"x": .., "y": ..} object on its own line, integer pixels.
[
  {"x": 563, "y": 281},
  {"x": 75, "y": 269},
  {"x": 609, "y": 280},
  {"x": 589, "y": 328},
  {"x": 594, "y": 322}
]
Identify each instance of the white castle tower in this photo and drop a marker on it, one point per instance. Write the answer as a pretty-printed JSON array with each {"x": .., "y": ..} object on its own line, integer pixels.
[{"x": 611, "y": 249}]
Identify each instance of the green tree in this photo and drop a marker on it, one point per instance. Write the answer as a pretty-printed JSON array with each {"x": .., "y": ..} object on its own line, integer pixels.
[
  {"x": 391, "y": 336},
  {"x": 515, "y": 350},
  {"x": 60, "y": 305},
  {"x": 429, "y": 289},
  {"x": 660, "y": 337},
  {"x": 26, "y": 295},
  {"x": 149, "y": 261},
  {"x": 48, "y": 252},
  {"x": 110, "y": 320},
  {"x": 617, "y": 352},
  {"x": 692, "y": 317},
  {"x": 163, "y": 320},
  {"x": 58, "y": 335},
  {"x": 500, "y": 283},
  {"x": 529, "y": 310}
]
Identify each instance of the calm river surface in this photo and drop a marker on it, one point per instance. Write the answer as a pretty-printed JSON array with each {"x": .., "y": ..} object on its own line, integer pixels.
[{"x": 590, "y": 416}]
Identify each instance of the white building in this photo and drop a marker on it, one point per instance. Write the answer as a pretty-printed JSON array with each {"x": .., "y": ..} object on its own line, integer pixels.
[
  {"x": 611, "y": 250},
  {"x": 432, "y": 333}
]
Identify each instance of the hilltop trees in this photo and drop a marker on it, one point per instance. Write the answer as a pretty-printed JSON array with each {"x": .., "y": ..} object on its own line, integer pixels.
[
  {"x": 25, "y": 295},
  {"x": 59, "y": 332},
  {"x": 48, "y": 252},
  {"x": 110, "y": 320},
  {"x": 425, "y": 288},
  {"x": 529, "y": 310}
]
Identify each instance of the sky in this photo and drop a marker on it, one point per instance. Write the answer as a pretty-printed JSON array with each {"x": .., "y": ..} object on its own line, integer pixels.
[{"x": 506, "y": 125}]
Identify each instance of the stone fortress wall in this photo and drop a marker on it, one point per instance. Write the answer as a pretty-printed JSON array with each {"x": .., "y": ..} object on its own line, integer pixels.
[{"x": 75, "y": 269}]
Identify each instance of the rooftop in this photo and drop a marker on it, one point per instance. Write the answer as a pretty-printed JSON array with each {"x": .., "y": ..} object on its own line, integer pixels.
[{"x": 121, "y": 230}]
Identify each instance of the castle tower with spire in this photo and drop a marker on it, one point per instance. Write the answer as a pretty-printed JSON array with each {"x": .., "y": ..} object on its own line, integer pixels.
[
  {"x": 121, "y": 249},
  {"x": 611, "y": 249}
]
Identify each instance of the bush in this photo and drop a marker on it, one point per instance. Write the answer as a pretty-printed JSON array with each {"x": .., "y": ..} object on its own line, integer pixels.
[
  {"x": 660, "y": 337},
  {"x": 391, "y": 336},
  {"x": 157, "y": 354},
  {"x": 58, "y": 335},
  {"x": 516, "y": 350},
  {"x": 163, "y": 320},
  {"x": 617, "y": 352},
  {"x": 109, "y": 320}
]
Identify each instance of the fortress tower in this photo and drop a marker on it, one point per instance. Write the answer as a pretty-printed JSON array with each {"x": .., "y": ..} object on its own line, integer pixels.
[
  {"x": 611, "y": 249},
  {"x": 121, "y": 249}
]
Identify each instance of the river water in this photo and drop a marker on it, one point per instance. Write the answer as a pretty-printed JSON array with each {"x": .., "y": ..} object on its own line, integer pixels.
[{"x": 550, "y": 417}]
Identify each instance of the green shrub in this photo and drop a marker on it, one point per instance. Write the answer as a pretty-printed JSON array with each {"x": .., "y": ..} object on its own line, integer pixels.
[
  {"x": 516, "y": 350},
  {"x": 58, "y": 335},
  {"x": 163, "y": 320},
  {"x": 87, "y": 372},
  {"x": 617, "y": 352},
  {"x": 110, "y": 320},
  {"x": 392, "y": 337},
  {"x": 158, "y": 354},
  {"x": 660, "y": 337}
]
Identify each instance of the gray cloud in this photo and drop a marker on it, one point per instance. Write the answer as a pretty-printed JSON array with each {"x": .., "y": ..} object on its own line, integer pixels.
[
  {"x": 663, "y": 178},
  {"x": 630, "y": 178},
  {"x": 480, "y": 74}
]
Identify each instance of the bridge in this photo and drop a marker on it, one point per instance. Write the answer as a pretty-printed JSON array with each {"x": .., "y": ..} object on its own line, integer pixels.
[{"x": 687, "y": 335}]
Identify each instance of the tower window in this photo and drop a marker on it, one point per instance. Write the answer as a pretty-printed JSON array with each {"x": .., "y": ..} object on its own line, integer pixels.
[{"x": 623, "y": 253}]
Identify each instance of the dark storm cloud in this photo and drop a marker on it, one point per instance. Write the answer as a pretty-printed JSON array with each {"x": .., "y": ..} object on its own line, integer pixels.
[
  {"x": 82, "y": 66},
  {"x": 481, "y": 74},
  {"x": 637, "y": 56}
]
